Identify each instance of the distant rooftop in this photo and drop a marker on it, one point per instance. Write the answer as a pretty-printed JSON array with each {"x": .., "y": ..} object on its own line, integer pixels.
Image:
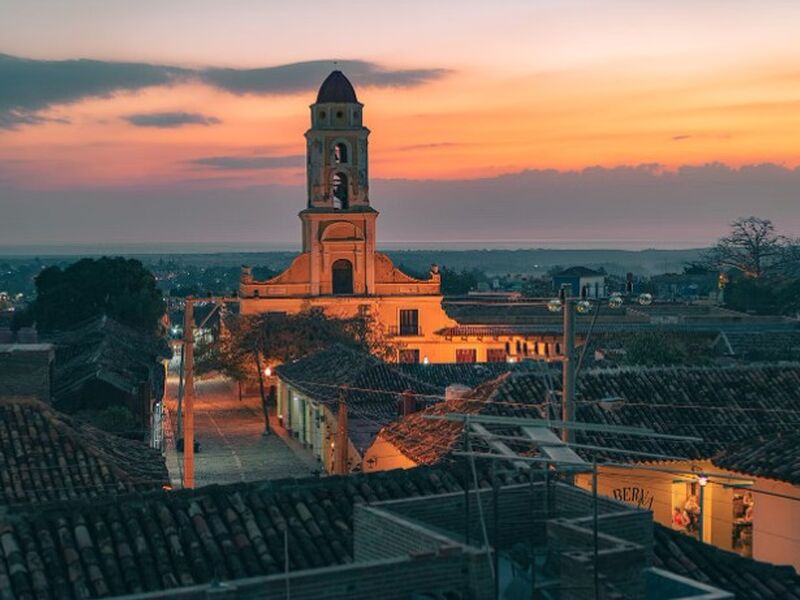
[{"x": 579, "y": 272}]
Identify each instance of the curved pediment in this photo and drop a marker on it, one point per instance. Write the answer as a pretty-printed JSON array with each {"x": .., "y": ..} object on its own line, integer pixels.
[
  {"x": 386, "y": 272},
  {"x": 340, "y": 231},
  {"x": 297, "y": 272}
]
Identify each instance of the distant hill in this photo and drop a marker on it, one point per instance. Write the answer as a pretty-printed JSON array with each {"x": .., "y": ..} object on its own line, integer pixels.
[{"x": 535, "y": 260}]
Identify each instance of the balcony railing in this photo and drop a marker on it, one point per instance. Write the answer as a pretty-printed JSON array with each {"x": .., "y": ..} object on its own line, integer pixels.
[{"x": 405, "y": 331}]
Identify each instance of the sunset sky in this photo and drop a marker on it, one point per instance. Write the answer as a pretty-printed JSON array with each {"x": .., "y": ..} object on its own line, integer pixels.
[{"x": 199, "y": 107}]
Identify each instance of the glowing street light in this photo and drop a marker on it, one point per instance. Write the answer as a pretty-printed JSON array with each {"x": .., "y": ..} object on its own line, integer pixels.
[
  {"x": 615, "y": 300},
  {"x": 645, "y": 299}
]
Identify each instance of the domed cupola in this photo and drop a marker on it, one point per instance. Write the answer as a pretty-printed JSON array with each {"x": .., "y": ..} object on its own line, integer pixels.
[{"x": 336, "y": 88}]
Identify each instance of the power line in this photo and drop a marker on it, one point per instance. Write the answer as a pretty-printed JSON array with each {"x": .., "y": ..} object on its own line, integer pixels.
[{"x": 625, "y": 403}]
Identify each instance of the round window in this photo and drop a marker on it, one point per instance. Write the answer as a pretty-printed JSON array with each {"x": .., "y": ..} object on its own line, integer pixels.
[
  {"x": 322, "y": 114},
  {"x": 339, "y": 115}
]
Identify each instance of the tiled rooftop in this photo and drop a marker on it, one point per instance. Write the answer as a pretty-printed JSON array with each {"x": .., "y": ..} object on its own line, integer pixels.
[
  {"x": 166, "y": 540},
  {"x": 46, "y": 456},
  {"x": 761, "y": 345},
  {"x": 524, "y": 313},
  {"x": 774, "y": 456},
  {"x": 374, "y": 386},
  {"x": 721, "y": 405},
  {"x": 744, "y": 577},
  {"x": 103, "y": 349}
]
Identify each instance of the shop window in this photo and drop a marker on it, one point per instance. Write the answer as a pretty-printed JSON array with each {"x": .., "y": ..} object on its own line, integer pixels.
[
  {"x": 409, "y": 356},
  {"x": 686, "y": 506},
  {"x": 466, "y": 355},
  {"x": 743, "y": 522}
]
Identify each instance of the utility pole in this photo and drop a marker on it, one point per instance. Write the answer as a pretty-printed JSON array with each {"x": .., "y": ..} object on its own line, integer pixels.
[
  {"x": 179, "y": 435},
  {"x": 568, "y": 369},
  {"x": 188, "y": 393}
]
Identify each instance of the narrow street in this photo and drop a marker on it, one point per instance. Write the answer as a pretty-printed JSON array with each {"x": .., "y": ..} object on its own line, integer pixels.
[{"x": 230, "y": 433}]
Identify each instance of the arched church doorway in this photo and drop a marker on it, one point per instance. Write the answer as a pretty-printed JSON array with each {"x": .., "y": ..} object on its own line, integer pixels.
[
  {"x": 342, "y": 271},
  {"x": 339, "y": 190}
]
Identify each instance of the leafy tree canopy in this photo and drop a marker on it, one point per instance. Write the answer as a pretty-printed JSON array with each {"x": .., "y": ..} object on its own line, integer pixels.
[
  {"x": 455, "y": 283},
  {"x": 269, "y": 338},
  {"x": 119, "y": 288}
]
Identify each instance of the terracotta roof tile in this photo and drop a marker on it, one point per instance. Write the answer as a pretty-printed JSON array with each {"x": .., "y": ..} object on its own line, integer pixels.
[
  {"x": 374, "y": 386},
  {"x": 772, "y": 456},
  {"x": 744, "y": 577},
  {"x": 46, "y": 456},
  {"x": 721, "y": 405},
  {"x": 163, "y": 540}
]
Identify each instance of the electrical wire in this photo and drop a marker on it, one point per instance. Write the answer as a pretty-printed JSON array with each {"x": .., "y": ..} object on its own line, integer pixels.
[{"x": 626, "y": 403}]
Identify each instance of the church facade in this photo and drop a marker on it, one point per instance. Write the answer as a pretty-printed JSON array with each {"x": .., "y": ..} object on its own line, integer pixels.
[{"x": 339, "y": 268}]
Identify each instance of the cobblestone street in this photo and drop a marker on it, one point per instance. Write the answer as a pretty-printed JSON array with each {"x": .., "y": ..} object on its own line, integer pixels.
[{"x": 232, "y": 445}]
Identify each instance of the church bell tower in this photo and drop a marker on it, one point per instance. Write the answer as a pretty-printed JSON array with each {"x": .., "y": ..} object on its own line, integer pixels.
[
  {"x": 337, "y": 148},
  {"x": 338, "y": 222}
]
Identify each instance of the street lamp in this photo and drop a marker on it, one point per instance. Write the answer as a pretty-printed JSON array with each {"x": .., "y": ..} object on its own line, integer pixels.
[
  {"x": 554, "y": 305},
  {"x": 615, "y": 300}
]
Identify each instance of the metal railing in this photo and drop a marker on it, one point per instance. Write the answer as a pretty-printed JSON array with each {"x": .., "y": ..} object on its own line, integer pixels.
[{"x": 405, "y": 331}]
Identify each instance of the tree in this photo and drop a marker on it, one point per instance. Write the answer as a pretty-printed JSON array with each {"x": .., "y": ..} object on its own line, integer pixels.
[
  {"x": 767, "y": 296},
  {"x": 751, "y": 248},
  {"x": 119, "y": 288},
  {"x": 456, "y": 283},
  {"x": 537, "y": 288},
  {"x": 271, "y": 339}
]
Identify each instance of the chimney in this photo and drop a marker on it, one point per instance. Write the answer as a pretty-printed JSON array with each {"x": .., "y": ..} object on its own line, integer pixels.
[{"x": 407, "y": 403}]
